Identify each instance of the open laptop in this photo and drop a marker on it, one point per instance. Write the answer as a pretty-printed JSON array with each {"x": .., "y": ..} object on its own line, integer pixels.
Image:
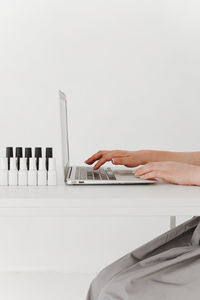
[{"x": 86, "y": 175}]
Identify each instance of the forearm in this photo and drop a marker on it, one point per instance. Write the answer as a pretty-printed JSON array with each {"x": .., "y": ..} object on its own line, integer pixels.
[{"x": 184, "y": 157}]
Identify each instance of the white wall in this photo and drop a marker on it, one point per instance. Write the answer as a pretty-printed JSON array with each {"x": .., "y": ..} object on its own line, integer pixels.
[
  {"x": 130, "y": 69},
  {"x": 73, "y": 245}
]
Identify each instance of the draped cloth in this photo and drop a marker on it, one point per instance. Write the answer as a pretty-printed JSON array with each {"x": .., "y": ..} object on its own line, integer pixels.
[{"x": 167, "y": 268}]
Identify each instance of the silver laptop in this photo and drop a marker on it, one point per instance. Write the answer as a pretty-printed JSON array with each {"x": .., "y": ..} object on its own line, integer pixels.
[{"x": 86, "y": 175}]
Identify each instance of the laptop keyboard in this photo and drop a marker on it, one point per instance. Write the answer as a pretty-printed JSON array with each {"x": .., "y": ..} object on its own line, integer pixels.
[{"x": 83, "y": 173}]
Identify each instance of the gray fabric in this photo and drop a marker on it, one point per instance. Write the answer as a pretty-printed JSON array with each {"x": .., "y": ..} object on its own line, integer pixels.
[{"x": 165, "y": 268}]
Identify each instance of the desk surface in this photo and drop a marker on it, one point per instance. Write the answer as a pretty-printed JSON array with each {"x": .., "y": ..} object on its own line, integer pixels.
[{"x": 154, "y": 199}]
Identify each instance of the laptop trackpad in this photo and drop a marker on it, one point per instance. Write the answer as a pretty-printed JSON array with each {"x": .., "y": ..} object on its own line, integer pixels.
[{"x": 125, "y": 175}]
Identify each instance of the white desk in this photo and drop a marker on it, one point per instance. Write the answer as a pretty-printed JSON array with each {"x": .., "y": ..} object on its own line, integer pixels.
[
  {"x": 89, "y": 201},
  {"x": 83, "y": 228}
]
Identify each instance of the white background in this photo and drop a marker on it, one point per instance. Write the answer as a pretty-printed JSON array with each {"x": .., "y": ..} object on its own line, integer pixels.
[{"x": 130, "y": 70}]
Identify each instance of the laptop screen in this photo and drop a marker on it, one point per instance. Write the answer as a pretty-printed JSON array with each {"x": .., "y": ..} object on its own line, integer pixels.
[{"x": 64, "y": 131}]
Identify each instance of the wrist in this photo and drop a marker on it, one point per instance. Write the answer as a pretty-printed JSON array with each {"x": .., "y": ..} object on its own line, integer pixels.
[
  {"x": 144, "y": 156},
  {"x": 196, "y": 176},
  {"x": 147, "y": 156}
]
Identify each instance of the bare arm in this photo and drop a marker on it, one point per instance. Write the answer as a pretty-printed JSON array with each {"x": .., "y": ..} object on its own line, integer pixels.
[
  {"x": 141, "y": 157},
  {"x": 183, "y": 157}
]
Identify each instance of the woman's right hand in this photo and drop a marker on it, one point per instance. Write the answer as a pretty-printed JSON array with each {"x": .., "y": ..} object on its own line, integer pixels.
[{"x": 118, "y": 157}]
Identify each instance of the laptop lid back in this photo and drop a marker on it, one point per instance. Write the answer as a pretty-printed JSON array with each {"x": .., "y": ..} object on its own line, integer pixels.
[{"x": 64, "y": 132}]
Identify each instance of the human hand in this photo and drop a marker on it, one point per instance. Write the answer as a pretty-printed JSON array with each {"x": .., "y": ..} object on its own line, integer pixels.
[
  {"x": 117, "y": 157},
  {"x": 173, "y": 172}
]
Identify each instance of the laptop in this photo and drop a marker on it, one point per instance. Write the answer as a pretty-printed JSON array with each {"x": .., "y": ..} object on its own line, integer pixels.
[{"x": 84, "y": 175}]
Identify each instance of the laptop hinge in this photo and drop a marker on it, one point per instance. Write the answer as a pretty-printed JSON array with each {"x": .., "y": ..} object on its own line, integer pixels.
[{"x": 68, "y": 172}]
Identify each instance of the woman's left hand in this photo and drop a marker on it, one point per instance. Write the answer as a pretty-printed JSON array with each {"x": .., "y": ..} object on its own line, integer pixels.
[{"x": 173, "y": 172}]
